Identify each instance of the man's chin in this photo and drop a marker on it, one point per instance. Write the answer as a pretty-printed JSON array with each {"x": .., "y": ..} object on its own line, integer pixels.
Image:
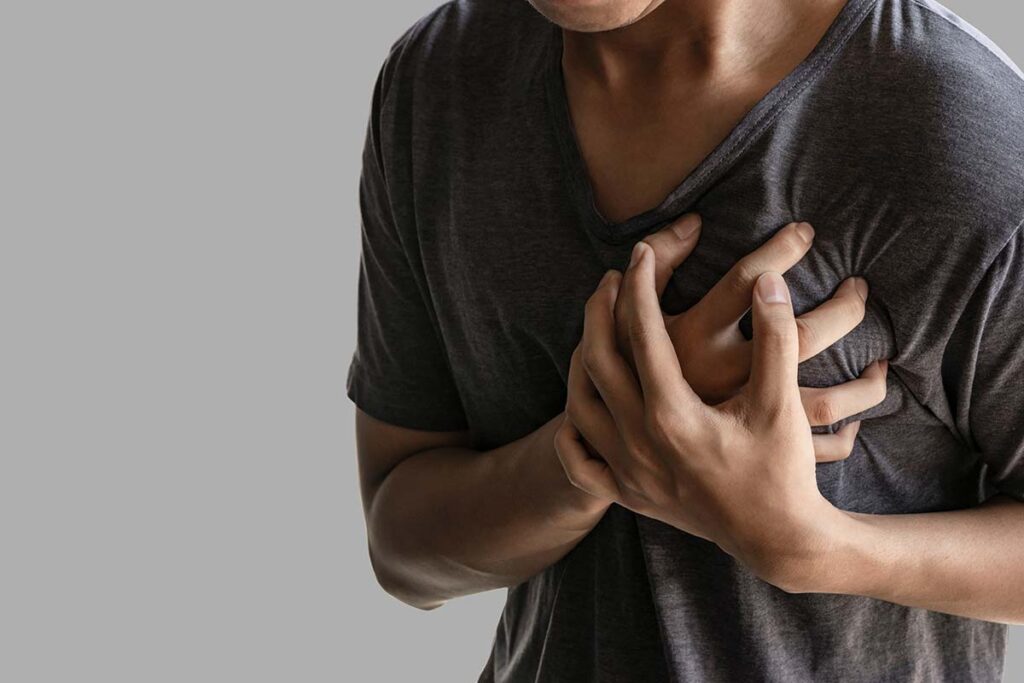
[{"x": 592, "y": 16}]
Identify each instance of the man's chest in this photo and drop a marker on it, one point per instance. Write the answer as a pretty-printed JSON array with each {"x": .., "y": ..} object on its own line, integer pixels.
[{"x": 510, "y": 295}]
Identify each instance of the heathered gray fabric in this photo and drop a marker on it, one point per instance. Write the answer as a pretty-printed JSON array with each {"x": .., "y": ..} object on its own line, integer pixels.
[{"x": 901, "y": 138}]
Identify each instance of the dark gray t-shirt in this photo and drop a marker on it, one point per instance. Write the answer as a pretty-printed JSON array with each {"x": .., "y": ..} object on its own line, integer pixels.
[{"x": 900, "y": 138}]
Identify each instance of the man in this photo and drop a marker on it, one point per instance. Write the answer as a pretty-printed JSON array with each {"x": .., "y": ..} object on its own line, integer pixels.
[{"x": 643, "y": 484}]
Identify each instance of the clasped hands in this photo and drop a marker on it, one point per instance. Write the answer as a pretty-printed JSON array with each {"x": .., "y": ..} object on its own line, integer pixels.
[{"x": 682, "y": 419}]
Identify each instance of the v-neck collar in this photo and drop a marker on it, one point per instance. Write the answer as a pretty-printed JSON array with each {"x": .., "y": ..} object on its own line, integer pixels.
[{"x": 753, "y": 123}]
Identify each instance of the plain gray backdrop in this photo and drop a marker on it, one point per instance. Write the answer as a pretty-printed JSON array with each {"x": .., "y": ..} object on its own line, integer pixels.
[{"x": 178, "y": 496}]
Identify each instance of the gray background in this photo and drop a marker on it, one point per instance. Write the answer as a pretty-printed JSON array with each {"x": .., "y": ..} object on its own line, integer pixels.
[{"x": 178, "y": 263}]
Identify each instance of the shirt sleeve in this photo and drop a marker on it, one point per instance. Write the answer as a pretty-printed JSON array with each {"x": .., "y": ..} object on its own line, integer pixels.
[
  {"x": 399, "y": 372},
  {"x": 983, "y": 370}
]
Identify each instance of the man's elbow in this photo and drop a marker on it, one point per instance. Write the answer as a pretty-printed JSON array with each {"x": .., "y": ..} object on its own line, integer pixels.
[{"x": 400, "y": 586}]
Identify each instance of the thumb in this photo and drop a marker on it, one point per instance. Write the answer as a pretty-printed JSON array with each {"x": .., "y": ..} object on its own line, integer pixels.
[
  {"x": 776, "y": 344},
  {"x": 672, "y": 244}
]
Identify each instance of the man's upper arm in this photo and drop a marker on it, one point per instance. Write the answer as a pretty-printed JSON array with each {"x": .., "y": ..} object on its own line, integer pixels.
[
  {"x": 382, "y": 447},
  {"x": 399, "y": 372},
  {"x": 983, "y": 369}
]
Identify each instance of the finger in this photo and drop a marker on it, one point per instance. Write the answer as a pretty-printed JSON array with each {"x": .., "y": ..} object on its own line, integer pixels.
[
  {"x": 834, "y": 319},
  {"x": 672, "y": 245},
  {"x": 829, "y": 405},
  {"x": 601, "y": 358},
  {"x": 838, "y": 446},
  {"x": 729, "y": 299},
  {"x": 587, "y": 473},
  {"x": 773, "y": 363},
  {"x": 657, "y": 364},
  {"x": 587, "y": 411}
]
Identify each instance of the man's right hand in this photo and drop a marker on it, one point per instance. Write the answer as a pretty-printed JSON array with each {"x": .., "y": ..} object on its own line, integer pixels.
[{"x": 716, "y": 357}]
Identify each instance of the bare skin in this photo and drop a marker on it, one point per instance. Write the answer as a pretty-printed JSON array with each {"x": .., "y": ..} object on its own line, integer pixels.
[{"x": 445, "y": 520}]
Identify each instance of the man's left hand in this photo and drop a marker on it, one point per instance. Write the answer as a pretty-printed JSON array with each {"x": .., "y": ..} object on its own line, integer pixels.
[{"x": 741, "y": 473}]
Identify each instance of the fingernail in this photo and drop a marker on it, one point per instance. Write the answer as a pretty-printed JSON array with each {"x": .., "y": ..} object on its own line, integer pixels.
[
  {"x": 862, "y": 288},
  {"x": 686, "y": 226},
  {"x": 805, "y": 231},
  {"x": 605, "y": 278},
  {"x": 638, "y": 250},
  {"x": 772, "y": 289}
]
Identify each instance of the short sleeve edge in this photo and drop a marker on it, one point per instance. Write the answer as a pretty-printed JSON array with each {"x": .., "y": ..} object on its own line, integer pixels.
[{"x": 401, "y": 407}]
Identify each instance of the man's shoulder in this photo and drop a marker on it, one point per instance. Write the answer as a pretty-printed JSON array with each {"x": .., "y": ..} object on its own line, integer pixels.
[
  {"x": 464, "y": 44},
  {"x": 971, "y": 96},
  {"x": 951, "y": 43},
  {"x": 939, "y": 72},
  {"x": 930, "y": 111}
]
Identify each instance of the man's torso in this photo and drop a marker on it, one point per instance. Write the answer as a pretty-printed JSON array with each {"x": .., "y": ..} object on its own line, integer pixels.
[{"x": 862, "y": 141}]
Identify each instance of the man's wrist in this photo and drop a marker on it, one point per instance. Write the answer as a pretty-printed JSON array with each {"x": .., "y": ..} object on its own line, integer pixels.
[
  {"x": 573, "y": 508},
  {"x": 831, "y": 561},
  {"x": 580, "y": 510}
]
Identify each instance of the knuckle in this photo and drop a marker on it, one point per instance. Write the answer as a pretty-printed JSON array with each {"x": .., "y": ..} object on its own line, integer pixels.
[
  {"x": 825, "y": 411},
  {"x": 573, "y": 411},
  {"x": 809, "y": 336},
  {"x": 639, "y": 453},
  {"x": 855, "y": 309},
  {"x": 850, "y": 438},
  {"x": 774, "y": 411},
  {"x": 778, "y": 332},
  {"x": 653, "y": 241},
  {"x": 572, "y": 476},
  {"x": 638, "y": 331},
  {"x": 561, "y": 433},
  {"x": 745, "y": 272},
  {"x": 566, "y": 435},
  {"x": 636, "y": 449},
  {"x": 589, "y": 356},
  {"x": 724, "y": 429},
  {"x": 792, "y": 244},
  {"x": 665, "y": 245},
  {"x": 661, "y": 424},
  {"x": 881, "y": 389}
]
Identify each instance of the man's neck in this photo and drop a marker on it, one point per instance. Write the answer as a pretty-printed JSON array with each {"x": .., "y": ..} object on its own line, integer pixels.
[{"x": 698, "y": 40}]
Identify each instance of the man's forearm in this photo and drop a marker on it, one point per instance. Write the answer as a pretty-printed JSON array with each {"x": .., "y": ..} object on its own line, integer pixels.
[
  {"x": 964, "y": 562},
  {"x": 454, "y": 521}
]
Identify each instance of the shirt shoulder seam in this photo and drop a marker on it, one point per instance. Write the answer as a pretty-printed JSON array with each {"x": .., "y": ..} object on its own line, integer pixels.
[{"x": 977, "y": 36}]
